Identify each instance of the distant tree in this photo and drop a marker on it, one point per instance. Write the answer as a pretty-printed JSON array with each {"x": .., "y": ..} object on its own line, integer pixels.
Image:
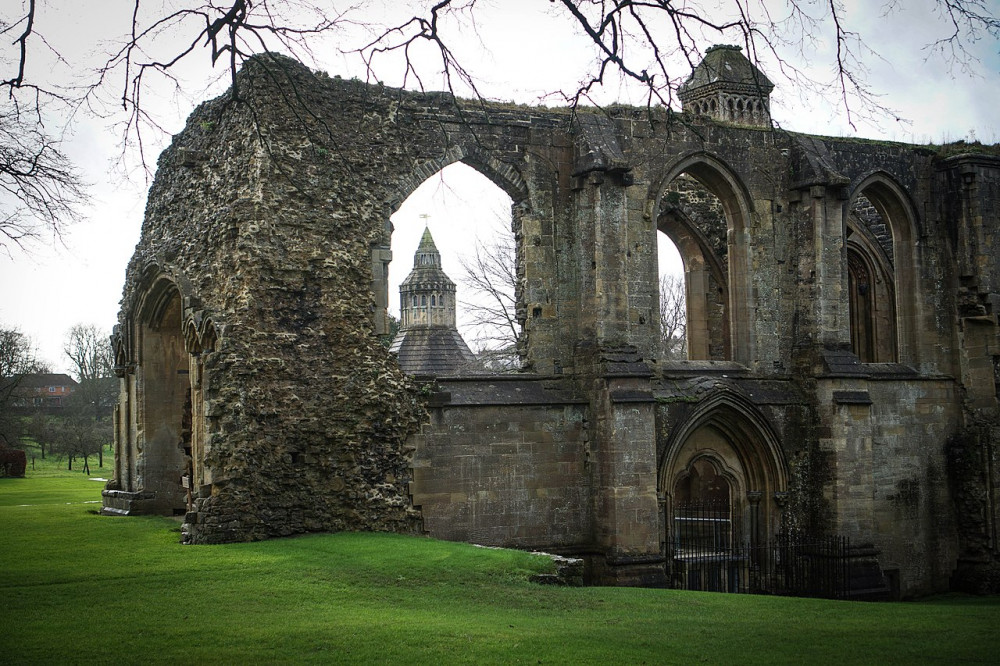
[
  {"x": 88, "y": 410},
  {"x": 489, "y": 279},
  {"x": 77, "y": 434},
  {"x": 17, "y": 359},
  {"x": 673, "y": 317},
  {"x": 41, "y": 428},
  {"x": 89, "y": 349}
]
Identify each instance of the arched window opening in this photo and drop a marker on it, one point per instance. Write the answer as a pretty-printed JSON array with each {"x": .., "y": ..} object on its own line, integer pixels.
[
  {"x": 871, "y": 284},
  {"x": 703, "y": 517},
  {"x": 694, "y": 221},
  {"x": 469, "y": 275}
]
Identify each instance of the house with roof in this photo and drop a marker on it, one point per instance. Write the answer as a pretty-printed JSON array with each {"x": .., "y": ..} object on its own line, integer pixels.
[{"x": 45, "y": 390}]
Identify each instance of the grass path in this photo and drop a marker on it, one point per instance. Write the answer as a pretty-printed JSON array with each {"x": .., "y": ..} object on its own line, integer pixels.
[{"x": 80, "y": 588}]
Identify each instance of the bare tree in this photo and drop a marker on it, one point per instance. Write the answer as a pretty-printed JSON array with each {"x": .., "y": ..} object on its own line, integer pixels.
[
  {"x": 673, "y": 317},
  {"x": 652, "y": 44},
  {"x": 89, "y": 349},
  {"x": 42, "y": 429},
  {"x": 490, "y": 281},
  {"x": 78, "y": 435},
  {"x": 17, "y": 358}
]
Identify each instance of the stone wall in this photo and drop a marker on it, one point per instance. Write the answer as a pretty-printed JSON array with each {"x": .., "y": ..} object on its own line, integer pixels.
[{"x": 505, "y": 462}]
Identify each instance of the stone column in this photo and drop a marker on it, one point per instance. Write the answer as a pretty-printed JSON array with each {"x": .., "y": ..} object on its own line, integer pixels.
[{"x": 831, "y": 308}]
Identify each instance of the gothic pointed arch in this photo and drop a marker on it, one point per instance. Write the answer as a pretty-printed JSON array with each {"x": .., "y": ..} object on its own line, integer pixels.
[
  {"x": 504, "y": 176},
  {"x": 162, "y": 401},
  {"x": 501, "y": 174},
  {"x": 722, "y": 464},
  {"x": 716, "y": 176},
  {"x": 883, "y": 241},
  {"x": 871, "y": 291}
]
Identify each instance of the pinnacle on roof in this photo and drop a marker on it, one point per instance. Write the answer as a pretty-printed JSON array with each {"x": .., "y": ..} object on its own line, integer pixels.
[
  {"x": 427, "y": 242},
  {"x": 427, "y": 253}
]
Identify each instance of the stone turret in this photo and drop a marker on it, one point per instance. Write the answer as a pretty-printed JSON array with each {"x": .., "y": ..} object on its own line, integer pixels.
[
  {"x": 728, "y": 87},
  {"x": 428, "y": 342}
]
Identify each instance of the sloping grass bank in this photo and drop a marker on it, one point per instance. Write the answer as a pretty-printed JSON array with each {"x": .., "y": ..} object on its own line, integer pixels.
[{"x": 80, "y": 588}]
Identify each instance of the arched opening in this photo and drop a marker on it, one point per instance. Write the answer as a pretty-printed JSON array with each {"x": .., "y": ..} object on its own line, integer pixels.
[
  {"x": 472, "y": 223},
  {"x": 871, "y": 291},
  {"x": 165, "y": 402},
  {"x": 722, "y": 479},
  {"x": 881, "y": 279},
  {"x": 700, "y": 211},
  {"x": 703, "y": 509}
]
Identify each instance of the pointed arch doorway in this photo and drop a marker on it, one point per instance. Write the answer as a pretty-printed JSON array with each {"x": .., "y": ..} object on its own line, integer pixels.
[{"x": 722, "y": 480}]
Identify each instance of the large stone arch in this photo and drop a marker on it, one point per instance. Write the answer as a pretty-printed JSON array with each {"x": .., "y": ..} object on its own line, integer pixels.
[
  {"x": 729, "y": 431},
  {"x": 722, "y": 180},
  {"x": 503, "y": 175},
  {"x": 897, "y": 211},
  {"x": 162, "y": 397},
  {"x": 161, "y": 424}
]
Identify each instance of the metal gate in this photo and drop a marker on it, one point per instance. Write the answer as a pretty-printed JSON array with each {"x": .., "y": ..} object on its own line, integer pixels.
[{"x": 710, "y": 551}]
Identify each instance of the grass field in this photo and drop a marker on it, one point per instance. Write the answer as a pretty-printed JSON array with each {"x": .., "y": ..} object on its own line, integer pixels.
[{"x": 77, "y": 587}]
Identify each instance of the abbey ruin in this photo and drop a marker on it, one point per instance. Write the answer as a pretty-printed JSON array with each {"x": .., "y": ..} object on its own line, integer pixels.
[{"x": 842, "y": 301}]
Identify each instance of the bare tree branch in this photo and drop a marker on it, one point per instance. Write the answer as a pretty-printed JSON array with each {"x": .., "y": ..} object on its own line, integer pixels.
[
  {"x": 490, "y": 279},
  {"x": 40, "y": 189},
  {"x": 652, "y": 44},
  {"x": 673, "y": 317}
]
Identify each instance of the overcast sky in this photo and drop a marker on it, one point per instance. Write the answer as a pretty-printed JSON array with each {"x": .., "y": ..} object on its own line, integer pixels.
[{"x": 519, "y": 53}]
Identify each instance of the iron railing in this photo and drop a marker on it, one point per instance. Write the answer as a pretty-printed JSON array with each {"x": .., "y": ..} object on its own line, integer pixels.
[{"x": 711, "y": 549}]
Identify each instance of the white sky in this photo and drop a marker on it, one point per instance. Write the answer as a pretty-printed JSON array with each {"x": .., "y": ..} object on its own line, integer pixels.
[{"x": 519, "y": 53}]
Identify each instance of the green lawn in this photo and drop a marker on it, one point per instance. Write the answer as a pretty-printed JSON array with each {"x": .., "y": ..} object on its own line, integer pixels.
[{"x": 80, "y": 588}]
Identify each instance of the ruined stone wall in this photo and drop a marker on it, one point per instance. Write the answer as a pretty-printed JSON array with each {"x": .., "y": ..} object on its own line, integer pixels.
[
  {"x": 304, "y": 407},
  {"x": 914, "y": 523},
  {"x": 265, "y": 225},
  {"x": 501, "y": 464}
]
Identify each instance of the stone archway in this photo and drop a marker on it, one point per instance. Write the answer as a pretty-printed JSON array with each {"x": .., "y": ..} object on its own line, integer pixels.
[
  {"x": 163, "y": 392},
  {"x": 722, "y": 481},
  {"x": 706, "y": 286},
  {"x": 731, "y": 262},
  {"x": 885, "y": 238},
  {"x": 722, "y": 478}
]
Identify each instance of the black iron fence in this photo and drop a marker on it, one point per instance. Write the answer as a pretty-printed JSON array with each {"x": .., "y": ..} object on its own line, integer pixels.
[{"x": 712, "y": 548}]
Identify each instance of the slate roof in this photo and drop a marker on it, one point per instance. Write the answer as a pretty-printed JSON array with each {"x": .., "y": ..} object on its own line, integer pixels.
[
  {"x": 45, "y": 380},
  {"x": 726, "y": 66},
  {"x": 433, "y": 352}
]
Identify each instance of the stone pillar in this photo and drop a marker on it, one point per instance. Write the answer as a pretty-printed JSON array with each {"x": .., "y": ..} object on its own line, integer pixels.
[
  {"x": 381, "y": 256},
  {"x": 844, "y": 408},
  {"x": 974, "y": 187},
  {"x": 831, "y": 309},
  {"x": 628, "y": 509}
]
